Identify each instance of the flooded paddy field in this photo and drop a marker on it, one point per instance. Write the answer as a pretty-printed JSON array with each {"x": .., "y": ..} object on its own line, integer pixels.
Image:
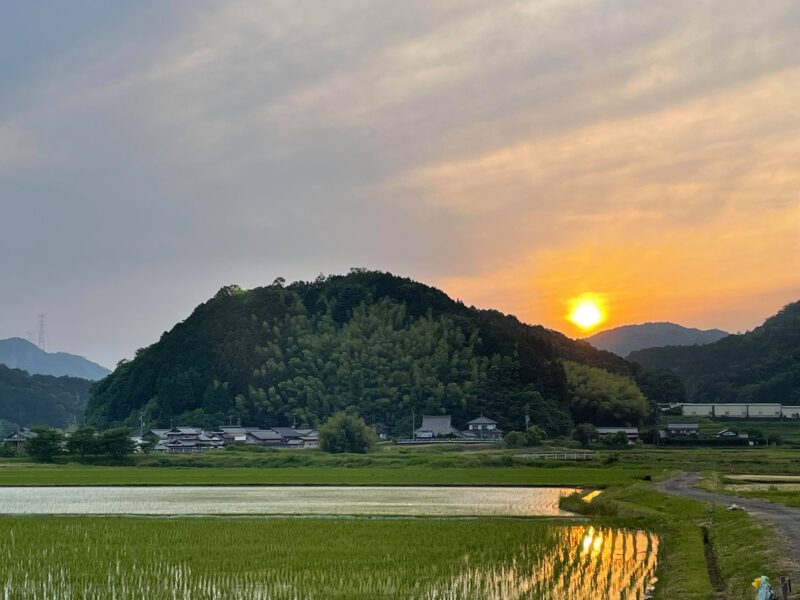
[
  {"x": 55, "y": 558},
  {"x": 284, "y": 500}
]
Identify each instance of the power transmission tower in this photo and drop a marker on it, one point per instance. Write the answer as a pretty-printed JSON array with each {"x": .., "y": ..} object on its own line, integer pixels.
[{"x": 42, "y": 332}]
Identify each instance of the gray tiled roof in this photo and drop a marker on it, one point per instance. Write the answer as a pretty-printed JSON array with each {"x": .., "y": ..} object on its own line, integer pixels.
[
  {"x": 287, "y": 432},
  {"x": 482, "y": 421},
  {"x": 266, "y": 435},
  {"x": 438, "y": 424}
]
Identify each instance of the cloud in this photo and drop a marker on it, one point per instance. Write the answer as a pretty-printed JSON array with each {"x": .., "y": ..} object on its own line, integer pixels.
[
  {"x": 17, "y": 147},
  {"x": 483, "y": 146}
]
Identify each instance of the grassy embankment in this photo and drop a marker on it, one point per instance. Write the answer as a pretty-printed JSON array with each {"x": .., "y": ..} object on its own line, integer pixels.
[{"x": 701, "y": 546}]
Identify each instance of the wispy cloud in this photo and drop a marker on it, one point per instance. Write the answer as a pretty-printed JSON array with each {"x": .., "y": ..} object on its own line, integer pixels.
[{"x": 512, "y": 151}]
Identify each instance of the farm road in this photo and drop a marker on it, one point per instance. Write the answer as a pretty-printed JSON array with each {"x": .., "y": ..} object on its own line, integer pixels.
[{"x": 784, "y": 519}]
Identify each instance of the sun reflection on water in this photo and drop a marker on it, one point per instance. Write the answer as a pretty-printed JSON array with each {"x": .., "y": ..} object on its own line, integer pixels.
[{"x": 585, "y": 563}]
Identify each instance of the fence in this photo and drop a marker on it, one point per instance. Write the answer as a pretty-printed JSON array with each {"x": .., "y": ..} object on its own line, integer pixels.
[{"x": 556, "y": 456}]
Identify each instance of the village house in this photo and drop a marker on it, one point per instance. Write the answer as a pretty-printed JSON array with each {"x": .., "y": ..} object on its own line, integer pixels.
[
  {"x": 17, "y": 439},
  {"x": 731, "y": 434},
  {"x": 232, "y": 434},
  {"x": 381, "y": 430},
  {"x": 607, "y": 432},
  {"x": 183, "y": 440},
  {"x": 264, "y": 437},
  {"x": 682, "y": 429},
  {"x": 436, "y": 426},
  {"x": 483, "y": 428}
]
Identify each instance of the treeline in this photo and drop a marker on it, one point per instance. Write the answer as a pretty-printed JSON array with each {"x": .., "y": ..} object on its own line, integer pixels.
[
  {"x": 381, "y": 345},
  {"x": 759, "y": 366},
  {"x": 40, "y": 399},
  {"x": 84, "y": 442}
]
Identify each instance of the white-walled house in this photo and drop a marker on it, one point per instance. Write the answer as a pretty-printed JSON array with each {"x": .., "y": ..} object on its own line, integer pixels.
[{"x": 483, "y": 428}]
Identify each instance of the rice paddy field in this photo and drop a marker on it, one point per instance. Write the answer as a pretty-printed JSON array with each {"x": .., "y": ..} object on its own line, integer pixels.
[
  {"x": 121, "y": 558},
  {"x": 285, "y": 500},
  {"x": 782, "y": 489}
]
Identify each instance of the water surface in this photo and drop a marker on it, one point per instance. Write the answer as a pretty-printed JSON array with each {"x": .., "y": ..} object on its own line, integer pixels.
[{"x": 284, "y": 500}]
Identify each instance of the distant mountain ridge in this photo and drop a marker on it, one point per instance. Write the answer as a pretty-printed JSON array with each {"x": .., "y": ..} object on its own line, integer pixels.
[
  {"x": 40, "y": 399},
  {"x": 17, "y": 353},
  {"x": 630, "y": 338},
  {"x": 762, "y": 365}
]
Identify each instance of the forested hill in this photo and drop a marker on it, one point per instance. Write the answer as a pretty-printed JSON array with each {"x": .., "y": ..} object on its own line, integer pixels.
[
  {"x": 17, "y": 353},
  {"x": 381, "y": 344},
  {"x": 40, "y": 399},
  {"x": 762, "y": 365},
  {"x": 629, "y": 338}
]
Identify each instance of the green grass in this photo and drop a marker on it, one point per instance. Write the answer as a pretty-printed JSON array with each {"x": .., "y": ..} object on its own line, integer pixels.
[
  {"x": 203, "y": 559},
  {"x": 682, "y": 569},
  {"x": 93, "y": 475}
]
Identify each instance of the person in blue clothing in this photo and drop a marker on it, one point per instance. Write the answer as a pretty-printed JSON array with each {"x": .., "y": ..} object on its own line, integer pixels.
[{"x": 764, "y": 589}]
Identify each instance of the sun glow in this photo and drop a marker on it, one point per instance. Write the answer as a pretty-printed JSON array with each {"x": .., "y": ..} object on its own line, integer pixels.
[{"x": 586, "y": 312}]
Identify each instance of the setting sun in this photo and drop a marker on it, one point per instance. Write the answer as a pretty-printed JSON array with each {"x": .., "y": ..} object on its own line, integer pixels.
[{"x": 586, "y": 312}]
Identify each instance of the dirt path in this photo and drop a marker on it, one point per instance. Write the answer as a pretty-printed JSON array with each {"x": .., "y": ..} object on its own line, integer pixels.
[{"x": 786, "y": 520}]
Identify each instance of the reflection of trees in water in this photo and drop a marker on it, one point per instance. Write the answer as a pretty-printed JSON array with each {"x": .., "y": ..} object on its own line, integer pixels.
[{"x": 582, "y": 563}]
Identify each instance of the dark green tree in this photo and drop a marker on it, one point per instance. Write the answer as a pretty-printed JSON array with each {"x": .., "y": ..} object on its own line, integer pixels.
[
  {"x": 47, "y": 444},
  {"x": 585, "y": 433},
  {"x": 535, "y": 436},
  {"x": 83, "y": 442},
  {"x": 345, "y": 432},
  {"x": 618, "y": 440},
  {"x": 603, "y": 398},
  {"x": 116, "y": 442}
]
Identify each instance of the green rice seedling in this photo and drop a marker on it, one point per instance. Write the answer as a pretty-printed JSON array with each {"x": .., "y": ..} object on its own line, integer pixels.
[{"x": 122, "y": 558}]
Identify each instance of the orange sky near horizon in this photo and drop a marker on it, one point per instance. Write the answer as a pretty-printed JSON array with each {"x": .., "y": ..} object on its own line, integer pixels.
[{"x": 690, "y": 214}]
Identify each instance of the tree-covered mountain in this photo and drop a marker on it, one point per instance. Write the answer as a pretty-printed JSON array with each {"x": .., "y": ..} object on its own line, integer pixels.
[
  {"x": 17, "y": 353},
  {"x": 383, "y": 345},
  {"x": 629, "y": 338},
  {"x": 40, "y": 399},
  {"x": 762, "y": 365}
]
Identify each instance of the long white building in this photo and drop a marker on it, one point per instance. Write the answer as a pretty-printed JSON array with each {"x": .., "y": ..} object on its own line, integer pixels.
[{"x": 741, "y": 411}]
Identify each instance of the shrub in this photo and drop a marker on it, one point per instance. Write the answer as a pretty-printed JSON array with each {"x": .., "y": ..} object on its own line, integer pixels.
[
  {"x": 515, "y": 439},
  {"x": 345, "y": 432}
]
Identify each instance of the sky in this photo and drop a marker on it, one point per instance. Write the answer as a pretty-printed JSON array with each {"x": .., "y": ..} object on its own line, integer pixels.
[{"x": 515, "y": 154}]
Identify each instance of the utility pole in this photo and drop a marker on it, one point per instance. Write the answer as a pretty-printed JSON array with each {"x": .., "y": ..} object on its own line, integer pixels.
[{"x": 413, "y": 431}]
